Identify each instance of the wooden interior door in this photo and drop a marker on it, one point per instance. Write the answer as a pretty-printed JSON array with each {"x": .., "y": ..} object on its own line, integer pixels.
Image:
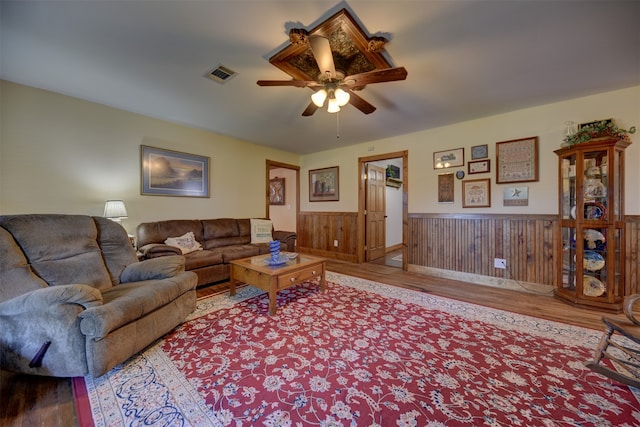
[{"x": 375, "y": 212}]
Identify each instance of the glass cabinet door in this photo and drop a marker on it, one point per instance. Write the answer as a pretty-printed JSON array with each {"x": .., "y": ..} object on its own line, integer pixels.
[
  {"x": 596, "y": 183},
  {"x": 568, "y": 182}
]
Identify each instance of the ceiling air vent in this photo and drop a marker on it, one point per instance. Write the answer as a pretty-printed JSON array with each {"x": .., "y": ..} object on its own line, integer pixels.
[{"x": 221, "y": 74}]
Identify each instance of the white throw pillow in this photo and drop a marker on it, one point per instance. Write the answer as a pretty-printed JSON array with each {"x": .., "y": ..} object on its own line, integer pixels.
[
  {"x": 261, "y": 230},
  {"x": 187, "y": 243}
]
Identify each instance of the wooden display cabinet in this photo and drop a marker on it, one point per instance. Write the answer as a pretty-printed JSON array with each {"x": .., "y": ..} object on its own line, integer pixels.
[{"x": 591, "y": 223}]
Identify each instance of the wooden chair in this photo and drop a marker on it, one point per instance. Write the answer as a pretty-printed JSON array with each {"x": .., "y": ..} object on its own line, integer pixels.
[{"x": 621, "y": 345}]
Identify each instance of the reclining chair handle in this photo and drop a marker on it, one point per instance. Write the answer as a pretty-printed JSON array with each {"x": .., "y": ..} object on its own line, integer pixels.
[{"x": 36, "y": 362}]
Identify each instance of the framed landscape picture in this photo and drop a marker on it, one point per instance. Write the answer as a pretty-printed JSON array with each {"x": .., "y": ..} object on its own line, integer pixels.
[
  {"x": 324, "y": 185},
  {"x": 517, "y": 160},
  {"x": 172, "y": 173}
]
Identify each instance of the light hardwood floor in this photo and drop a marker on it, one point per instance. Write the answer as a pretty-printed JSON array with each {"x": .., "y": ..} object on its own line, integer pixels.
[{"x": 38, "y": 401}]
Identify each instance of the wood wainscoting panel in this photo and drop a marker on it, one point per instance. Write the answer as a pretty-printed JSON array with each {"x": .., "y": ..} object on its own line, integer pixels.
[
  {"x": 317, "y": 232},
  {"x": 470, "y": 243}
]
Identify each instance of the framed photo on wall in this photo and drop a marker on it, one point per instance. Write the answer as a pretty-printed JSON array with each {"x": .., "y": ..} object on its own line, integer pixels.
[
  {"x": 445, "y": 188},
  {"x": 276, "y": 191},
  {"x": 448, "y": 158},
  {"x": 172, "y": 173},
  {"x": 476, "y": 193},
  {"x": 517, "y": 160},
  {"x": 479, "y": 151},
  {"x": 324, "y": 185},
  {"x": 479, "y": 166}
]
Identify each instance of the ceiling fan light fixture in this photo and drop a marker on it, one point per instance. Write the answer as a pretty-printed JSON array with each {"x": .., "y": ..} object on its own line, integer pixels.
[
  {"x": 319, "y": 97},
  {"x": 342, "y": 97},
  {"x": 333, "y": 106}
]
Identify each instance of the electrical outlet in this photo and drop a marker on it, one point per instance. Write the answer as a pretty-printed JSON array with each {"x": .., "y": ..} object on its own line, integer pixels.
[
  {"x": 500, "y": 263},
  {"x": 335, "y": 243}
]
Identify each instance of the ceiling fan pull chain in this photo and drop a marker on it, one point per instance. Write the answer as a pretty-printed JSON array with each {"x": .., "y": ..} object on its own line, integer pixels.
[{"x": 338, "y": 125}]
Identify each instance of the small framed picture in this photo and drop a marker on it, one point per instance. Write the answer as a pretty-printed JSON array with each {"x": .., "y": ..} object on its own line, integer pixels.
[
  {"x": 476, "y": 193},
  {"x": 324, "y": 185},
  {"x": 276, "y": 191},
  {"x": 445, "y": 188},
  {"x": 448, "y": 158},
  {"x": 479, "y": 166},
  {"x": 479, "y": 151}
]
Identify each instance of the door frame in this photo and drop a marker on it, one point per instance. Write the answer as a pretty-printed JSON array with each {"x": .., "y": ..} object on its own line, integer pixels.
[
  {"x": 361, "y": 235},
  {"x": 272, "y": 164}
]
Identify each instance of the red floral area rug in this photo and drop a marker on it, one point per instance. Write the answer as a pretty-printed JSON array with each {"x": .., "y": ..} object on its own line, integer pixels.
[{"x": 362, "y": 354}]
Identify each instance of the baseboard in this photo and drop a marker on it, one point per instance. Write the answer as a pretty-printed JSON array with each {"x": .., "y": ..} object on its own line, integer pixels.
[
  {"x": 328, "y": 254},
  {"x": 495, "y": 282},
  {"x": 393, "y": 248}
]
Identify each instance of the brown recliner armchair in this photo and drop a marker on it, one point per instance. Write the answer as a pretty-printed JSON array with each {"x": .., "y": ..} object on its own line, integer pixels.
[{"x": 75, "y": 300}]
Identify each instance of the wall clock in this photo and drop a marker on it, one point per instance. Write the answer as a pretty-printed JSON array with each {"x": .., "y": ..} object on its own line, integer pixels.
[{"x": 276, "y": 191}]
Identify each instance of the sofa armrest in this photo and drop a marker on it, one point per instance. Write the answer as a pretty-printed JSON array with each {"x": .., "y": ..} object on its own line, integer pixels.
[
  {"x": 43, "y": 299},
  {"x": 286, "y": 237},
  {"x": 154, "y": 250},
  {"x": 153, "y": 269}
]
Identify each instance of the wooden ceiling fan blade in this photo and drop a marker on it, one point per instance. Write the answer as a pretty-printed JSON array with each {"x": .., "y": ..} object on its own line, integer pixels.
[
  {"x": 360, "y": 103},
  {"x": 376, "y": 76},
  {"x": 295, "y": 83},
  {"x": 311, "y": 108},
  {"x": 322, "y": 53}
]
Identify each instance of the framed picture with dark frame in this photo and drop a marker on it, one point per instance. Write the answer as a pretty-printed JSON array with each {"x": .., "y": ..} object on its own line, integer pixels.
[
  {"x": 173, "y": 173},
  {"x": 517, "y": 160},
  {"x": 445, "y": 188},
  {"x": 324, "y": 185},
  {"x": 448, "y": 158},
  {"x": 276, "y": 191},
  {"x": 479, "y": 166},
  {"x": 479, "y": 151},
  {"x": 476, "y": 193}
]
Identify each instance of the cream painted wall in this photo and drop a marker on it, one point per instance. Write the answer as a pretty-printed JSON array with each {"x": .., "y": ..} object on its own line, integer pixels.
[
  {"x": 546, "y": 122},
  {"x": 63, "y": 155}
]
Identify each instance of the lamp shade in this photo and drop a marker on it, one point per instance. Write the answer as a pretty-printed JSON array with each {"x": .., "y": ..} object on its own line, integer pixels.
[
  {"x": 114, "y": 209},
  {"x": 319, "y": 97},
  {"x": 342, "y": 97},
  {"x": 333, "y": 106}
]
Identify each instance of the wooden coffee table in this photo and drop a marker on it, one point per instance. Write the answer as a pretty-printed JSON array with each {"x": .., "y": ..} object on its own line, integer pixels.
[{"x": 256, "y": 272}]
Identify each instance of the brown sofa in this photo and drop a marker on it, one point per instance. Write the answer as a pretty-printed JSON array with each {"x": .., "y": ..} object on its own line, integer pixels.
[
  {"x": 75, "y": 300},
  {"x": 222, "y": 240}
]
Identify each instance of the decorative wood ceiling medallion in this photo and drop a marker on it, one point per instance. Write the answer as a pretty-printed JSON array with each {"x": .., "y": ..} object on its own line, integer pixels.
[
  {"x": 353, "y": 52},
  {"x": 334, "y": 59}
]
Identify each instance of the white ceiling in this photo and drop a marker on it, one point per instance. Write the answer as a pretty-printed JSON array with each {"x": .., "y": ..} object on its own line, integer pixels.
[{"x": 465, "y": 60}]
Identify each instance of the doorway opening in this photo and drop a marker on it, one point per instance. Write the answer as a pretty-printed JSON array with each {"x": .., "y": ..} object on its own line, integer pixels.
[
  {"x": 375, "y": 214},
  {"x": 282, "y": 202}
]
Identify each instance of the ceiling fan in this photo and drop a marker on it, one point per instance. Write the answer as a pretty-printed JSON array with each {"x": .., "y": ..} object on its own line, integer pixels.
[{"x": 332, "y": 85}]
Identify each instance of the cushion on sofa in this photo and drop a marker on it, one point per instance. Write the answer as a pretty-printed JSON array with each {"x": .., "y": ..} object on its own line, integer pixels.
[
  {"x": 219, "y": 228},
  {"x": 201, "y": 259},
  {"x": 187, "y": 243},
  {"x": 16, "y": 276},
  {"x": 236, "y": 252},
  {"x": 157, "y": 232},
  {"x": 153, "y": 269},
  {"x": 61, "y": 249},
  {"x": 261, "y": 230}
]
